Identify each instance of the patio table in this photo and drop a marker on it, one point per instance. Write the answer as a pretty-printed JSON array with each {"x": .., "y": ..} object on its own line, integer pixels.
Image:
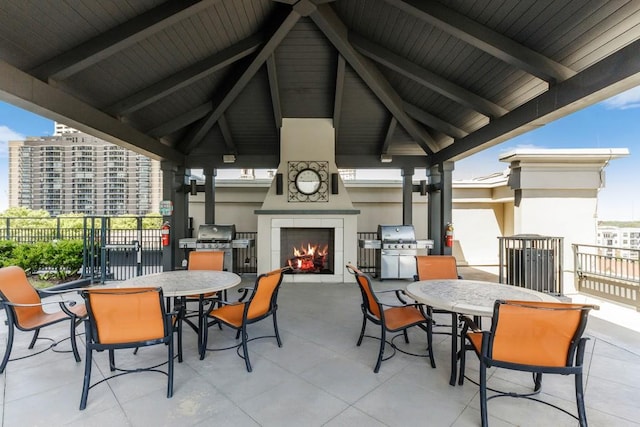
[
  {"x": 179, "y": 284},
  {"x": 471, "y": 297}
]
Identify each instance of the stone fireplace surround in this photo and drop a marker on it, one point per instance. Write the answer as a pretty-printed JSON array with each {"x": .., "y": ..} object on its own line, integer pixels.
[
  {"x": 302, "y": 141},
  {"x": 345, "y": 241}
]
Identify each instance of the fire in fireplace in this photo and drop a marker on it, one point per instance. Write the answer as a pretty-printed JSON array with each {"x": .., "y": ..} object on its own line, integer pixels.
[{"x": 307, "y": 250}]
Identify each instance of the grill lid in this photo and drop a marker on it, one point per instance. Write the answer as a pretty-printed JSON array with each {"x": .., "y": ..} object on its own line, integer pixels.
[
  {"x": 216, "y": 233},
  {"x": 396, "y": 233}
]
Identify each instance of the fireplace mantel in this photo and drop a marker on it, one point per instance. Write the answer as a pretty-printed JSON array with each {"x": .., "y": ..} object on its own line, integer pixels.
[
  {"x": 307, "y": 211},
  {"x": 345, "y": 245}
]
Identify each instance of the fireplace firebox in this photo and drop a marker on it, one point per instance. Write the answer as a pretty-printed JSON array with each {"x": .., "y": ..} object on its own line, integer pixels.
[{"x": 307, "y": 250}]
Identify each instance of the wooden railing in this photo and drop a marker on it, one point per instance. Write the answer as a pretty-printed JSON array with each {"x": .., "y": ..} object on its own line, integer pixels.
[{"x": 608, "y": 272}]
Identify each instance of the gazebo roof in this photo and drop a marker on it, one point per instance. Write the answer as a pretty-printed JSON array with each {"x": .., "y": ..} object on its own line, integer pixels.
[{"x": 420, "y": 81}]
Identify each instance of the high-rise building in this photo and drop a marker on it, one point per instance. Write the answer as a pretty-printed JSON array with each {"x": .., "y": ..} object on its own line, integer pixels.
[{"x": 73, "y": 172}]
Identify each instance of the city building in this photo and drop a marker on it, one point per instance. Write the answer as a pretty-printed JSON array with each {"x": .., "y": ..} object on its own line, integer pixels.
[
  {"x": 72, "y": 172},
  {"x": 620, "y": 239}
]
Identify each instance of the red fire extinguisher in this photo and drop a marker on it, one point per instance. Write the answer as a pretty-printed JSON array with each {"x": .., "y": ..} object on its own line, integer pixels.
[
  {"x": 165, "y": 231},
  {"x": 448, "y": 235}
]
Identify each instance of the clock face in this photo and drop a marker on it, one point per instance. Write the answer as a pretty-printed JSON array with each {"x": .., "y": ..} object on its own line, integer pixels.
[{"x": 308, "y": 181}]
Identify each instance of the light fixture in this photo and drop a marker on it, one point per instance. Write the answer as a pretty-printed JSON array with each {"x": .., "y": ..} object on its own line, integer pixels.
[
  {"x": 385, "y": 158},
  {"x": 229, "y": 158}
]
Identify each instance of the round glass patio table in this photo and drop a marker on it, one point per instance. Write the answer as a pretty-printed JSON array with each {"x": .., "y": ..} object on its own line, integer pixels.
[{"x": 471, "y": 297}]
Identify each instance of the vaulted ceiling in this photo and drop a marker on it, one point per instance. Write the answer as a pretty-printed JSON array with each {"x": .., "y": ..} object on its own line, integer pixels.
[{"x": 420, "y": 81}]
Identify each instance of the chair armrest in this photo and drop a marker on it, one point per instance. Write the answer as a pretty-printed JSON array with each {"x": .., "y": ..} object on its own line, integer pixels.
[
  {"x": 71, "y": 303},
  {"x": 244, "y": 291},
  {"x": 399, "y": 293},
  {"x": 469, "y": 324}
]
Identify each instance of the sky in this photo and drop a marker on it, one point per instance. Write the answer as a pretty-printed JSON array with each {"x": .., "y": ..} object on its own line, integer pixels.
[{"x": 614, "y": 123}]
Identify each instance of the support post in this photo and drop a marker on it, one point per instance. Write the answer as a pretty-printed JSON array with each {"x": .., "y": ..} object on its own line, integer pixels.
[
  {"x": 210, "y": 195},
  {"x": 407, "y": 195}
]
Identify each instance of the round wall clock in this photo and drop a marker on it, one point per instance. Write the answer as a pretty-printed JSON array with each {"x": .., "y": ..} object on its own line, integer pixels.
[{"x": 308, "y": 181}]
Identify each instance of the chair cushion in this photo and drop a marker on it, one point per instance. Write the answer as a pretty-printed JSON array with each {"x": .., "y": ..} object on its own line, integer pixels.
[
  {"x": 400, "y": 317},
  {"x": 231, "y": 314}
]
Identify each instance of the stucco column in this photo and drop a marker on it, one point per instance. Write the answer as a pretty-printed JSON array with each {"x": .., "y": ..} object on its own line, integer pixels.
[
  {"x": 407, "y": 195},
  {"x": 556, "y": 195}
]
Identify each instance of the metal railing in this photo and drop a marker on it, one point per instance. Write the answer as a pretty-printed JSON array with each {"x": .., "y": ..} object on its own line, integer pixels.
[
  {"x": 608, "y": 272},
  {"x": 367, "y": 257}
]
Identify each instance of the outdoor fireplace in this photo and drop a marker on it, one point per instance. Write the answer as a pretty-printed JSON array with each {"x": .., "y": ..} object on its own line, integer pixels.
[{"x": 307, "y": 250}]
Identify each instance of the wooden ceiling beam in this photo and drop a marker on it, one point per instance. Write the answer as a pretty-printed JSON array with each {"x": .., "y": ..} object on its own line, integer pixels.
[
  {"x": 611, "y": 76},
  {"x": 274, "y": 88},
  {"x": 118, "y": 38},
  {"x": 188, "y": 76},
  {"x": 337, "y": 99},
  {"x": 434, "y": 122},
  {"x": 485, "y": 39},
  {"x": 197, "y": 135},
  {"x": 426, "y": 78},
  {"x": 25, "y": 91},
  {"x": 336, "y": 31}
]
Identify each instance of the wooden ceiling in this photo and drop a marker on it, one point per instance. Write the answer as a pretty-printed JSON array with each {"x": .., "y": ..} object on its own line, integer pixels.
[{"x": 422, "y": 81}]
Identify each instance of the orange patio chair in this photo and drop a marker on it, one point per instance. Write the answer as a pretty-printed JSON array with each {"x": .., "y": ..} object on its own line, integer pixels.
[
  {"x": 392, "y": 319},
  {"x": 203, "y": 260},
  {"x": 536, "y": 337},
  {"x": 261, "y": 304},
  {"x": 124, "y": 318},
  {"x": 433, "y": 267},
  {"x": 23, "y": 307}
]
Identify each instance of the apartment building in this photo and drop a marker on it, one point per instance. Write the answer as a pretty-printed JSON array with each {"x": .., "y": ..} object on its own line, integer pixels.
[{"x": 72, "y": 172}]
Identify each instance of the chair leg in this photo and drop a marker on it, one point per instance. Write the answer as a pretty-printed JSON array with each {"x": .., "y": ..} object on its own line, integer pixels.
[
  {"x": 170, "y": 368},
  {"x": 537, "y": 381},
  {"x": 35, "y": 338},
  {"x": 406, "y": 336},
  {"x": 483, "y": 395},
  {"x": 462, "y": 353},
  {"x": 430, "y": 344},
  {"x": 7, "y": 352},
  {"x": 205, "y": 337},
  {"x": 364, "y": 326},
  {"x": 383, "y": 337},
  {"x": 87, "y": 378},
  {"x": 180, "y": 339},
  {"x": 275, "y": 328},
  {"x": 245, "y": 350},
  {"x": 112, "y": 360},
  {"x": 74, "y": 343},
  {"x": 582, "y": 413}
]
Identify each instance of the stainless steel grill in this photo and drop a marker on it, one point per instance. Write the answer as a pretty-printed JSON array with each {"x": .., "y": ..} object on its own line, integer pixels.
[
  {"x": 396, "y": 249},
  {"x": 216, "y": 237}
]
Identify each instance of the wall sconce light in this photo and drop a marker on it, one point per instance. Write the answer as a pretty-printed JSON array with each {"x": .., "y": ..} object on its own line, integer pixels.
[
  {"x": 334, "y": 183},
  {"x": 229, "y": 158},
  {"x": 194, "y": 188},
  {"x": 385, "y": 158},
  {"x": 279, "y": 184}
]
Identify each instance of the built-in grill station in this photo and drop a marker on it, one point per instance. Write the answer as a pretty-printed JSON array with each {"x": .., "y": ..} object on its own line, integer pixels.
[
  {"x": 214, "y": 237},
  {"x": 396, "y": 249}
]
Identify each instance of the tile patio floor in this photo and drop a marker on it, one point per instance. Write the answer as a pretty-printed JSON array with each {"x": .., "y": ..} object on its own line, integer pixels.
[{"x": 318, "y": 378}]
